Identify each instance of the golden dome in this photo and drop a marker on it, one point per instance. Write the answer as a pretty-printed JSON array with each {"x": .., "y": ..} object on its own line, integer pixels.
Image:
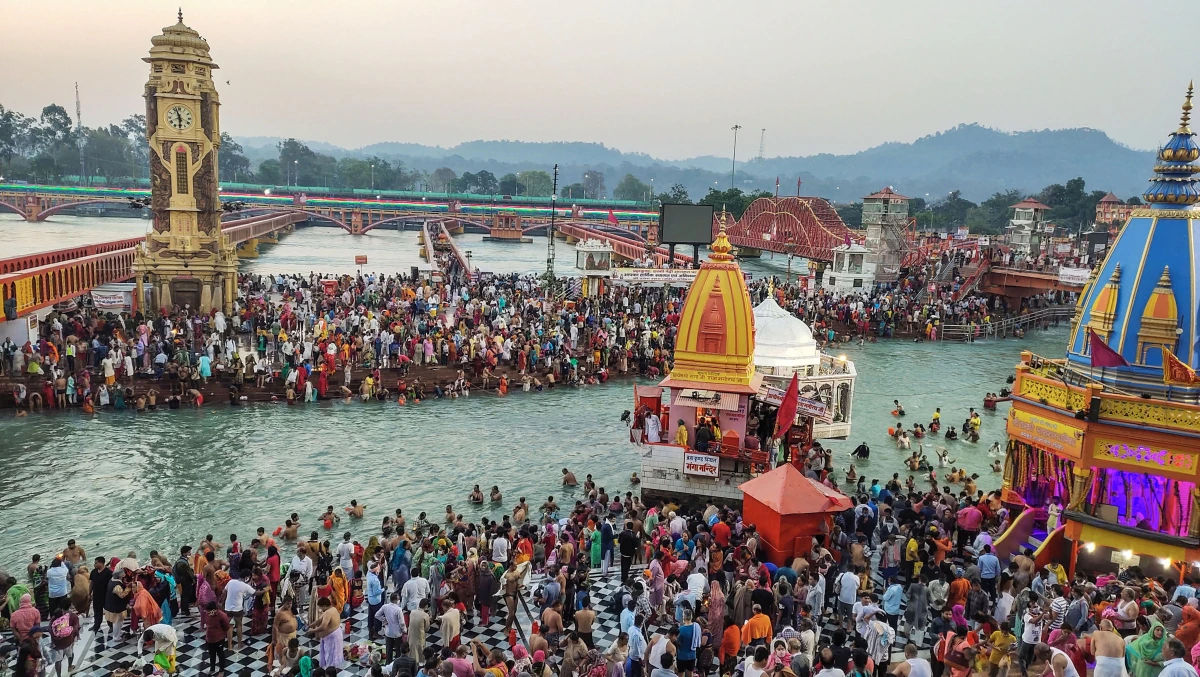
[{"x": 180, "y": 43}]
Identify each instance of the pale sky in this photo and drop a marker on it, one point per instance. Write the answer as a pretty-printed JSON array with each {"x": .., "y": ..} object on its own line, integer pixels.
[{"x": 665, "y": 77}]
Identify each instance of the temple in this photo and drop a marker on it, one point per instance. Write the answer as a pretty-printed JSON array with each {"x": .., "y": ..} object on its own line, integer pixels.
[
  {"x": 1112, "y": 432},
  {"x": 722, "y": 374}
]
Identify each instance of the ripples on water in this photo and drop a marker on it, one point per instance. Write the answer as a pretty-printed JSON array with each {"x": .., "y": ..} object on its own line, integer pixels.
[{"x": 118, "y": 481}]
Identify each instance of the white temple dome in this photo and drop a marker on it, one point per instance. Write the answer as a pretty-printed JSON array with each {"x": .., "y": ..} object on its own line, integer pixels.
[{"x": 781, "y": 339}]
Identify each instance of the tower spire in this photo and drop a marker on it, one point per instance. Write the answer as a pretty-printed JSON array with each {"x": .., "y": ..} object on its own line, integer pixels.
[
  {"x": 1187, "y": 111},
  {"x": 180, "y": 15}
]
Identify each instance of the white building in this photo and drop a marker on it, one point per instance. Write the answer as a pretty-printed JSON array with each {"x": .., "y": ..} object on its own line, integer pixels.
[
  {"x": 784, "y": 345},
  {"x": 852, "y": 271}
]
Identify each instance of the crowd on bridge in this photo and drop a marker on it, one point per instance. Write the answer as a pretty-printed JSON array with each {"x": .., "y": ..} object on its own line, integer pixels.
[
  {"x": 909, "y": 582},
  {"x": 918, "y": 305}
]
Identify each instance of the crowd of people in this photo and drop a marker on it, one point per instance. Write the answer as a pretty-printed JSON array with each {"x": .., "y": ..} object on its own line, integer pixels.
[
  {"x": 302, "y": 338},
  {"x": 906, "y": 582},
  {"x": 906, "y": 308}
]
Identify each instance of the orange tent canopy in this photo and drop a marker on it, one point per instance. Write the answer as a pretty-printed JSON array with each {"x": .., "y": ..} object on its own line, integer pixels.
[{"x": 788, "y": 492}]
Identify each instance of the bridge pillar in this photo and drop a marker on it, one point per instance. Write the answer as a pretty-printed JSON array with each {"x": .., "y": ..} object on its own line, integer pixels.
[
  {"x": 33, "y": 209},
  {"x": 356, "y": 222},
  {"x": 248, "y": 249},
  {"x": 455, "y": 227}
]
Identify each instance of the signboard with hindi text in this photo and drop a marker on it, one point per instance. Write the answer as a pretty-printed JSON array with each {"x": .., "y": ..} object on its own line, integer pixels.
[
  {"x": 1074, "y": 275},
  {"x": 703, "y": 465},
  {"x": 1045, "y": 433},
  {"x": 360, "y": 259},
  {"x": 655, "y": 275},
  {"x": 804, "y": 406}
]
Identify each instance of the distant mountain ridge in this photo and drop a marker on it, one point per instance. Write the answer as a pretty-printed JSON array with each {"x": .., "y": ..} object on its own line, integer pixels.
[{"x": 977, "y": 160}]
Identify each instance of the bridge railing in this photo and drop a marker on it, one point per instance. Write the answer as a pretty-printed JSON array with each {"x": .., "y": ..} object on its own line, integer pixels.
[
  {"x": 1038, "y": 319},
  {"x": 42, "y": 286},
  {"x": 26, "y": 261}
]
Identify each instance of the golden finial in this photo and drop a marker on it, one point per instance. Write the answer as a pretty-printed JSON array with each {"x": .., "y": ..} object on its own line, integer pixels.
[
  {"x": 720, "y": 246},
  {"x": 1187, "y": 111},
  {"x": 771, "y": 287}
]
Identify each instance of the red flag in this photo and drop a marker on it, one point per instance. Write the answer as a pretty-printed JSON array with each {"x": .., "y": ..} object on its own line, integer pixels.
[
  {"x": 1176, "y": 370},
  {"x": 787, "y": 408},
  {"x": 612, "y": 218},
  {"x": 1102, "y": 355}
]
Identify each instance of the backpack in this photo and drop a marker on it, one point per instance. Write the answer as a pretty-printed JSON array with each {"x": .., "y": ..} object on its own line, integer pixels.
[{"x": 61, "y": 627}]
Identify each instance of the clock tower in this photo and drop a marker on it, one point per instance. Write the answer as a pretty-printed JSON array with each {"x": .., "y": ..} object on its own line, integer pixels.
[{"x": 186, "y": 260}]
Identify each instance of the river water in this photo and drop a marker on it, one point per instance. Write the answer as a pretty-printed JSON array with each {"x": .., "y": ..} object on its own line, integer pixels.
[{"x": 117, "y": 481}]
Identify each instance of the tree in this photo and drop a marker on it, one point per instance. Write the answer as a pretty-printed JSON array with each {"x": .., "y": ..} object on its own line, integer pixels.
[
  {"x": 232, "y": 164},
  {"x": 537, "y": 183},
  {"x": 593, "y": 184},
  {"x": 441, "y": 179},
  {"x": 851, "y": 214},
  {"x": 510, "y": 185},
  {"x": 486, "y": 183},
  {"x": 109, "y": 153},
  {"x": 733, "y": 200},
  {"x": 54, "y": 128},
  {"x": 134, "y": 127},
  {"x": 677, "y": 195},
  {"x": 1135, "y": 200},
  {"x": 574, "y": 191},
  {"x": 631, "y": 188},
  {"x": 270, "y": 173}
]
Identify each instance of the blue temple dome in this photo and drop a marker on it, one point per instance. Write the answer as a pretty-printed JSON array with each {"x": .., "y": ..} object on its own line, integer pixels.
[{"x": 1144, "y": 296}]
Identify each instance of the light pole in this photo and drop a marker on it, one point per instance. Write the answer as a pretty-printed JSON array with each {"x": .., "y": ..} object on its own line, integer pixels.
[
  {"x": 651, "y": 189},
  {"x": 372, "y": 176},
  {"x": 468, "y": 252},
  {"x": 733, "y": 164},
  {"x": 296, "y": 173},
  {"x": 550, "y": 235}
]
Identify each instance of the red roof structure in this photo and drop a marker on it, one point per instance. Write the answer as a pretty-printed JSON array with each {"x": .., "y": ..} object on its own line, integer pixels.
[
  {"x": 886, "y": 194},
  {"x": 1029, "y": 203},
  {"x": 1111, "y": 198},
  {"x": 787, "y": 491}
]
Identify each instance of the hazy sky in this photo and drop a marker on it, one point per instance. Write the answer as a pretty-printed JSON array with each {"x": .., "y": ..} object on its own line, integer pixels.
[{"x": 666, "y": 77}]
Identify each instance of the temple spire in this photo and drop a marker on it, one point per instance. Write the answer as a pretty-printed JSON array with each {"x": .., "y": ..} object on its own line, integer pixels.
[
  {"x": 180, "y": 15},
  {"x": 720, "y": 246},
  {"x": 1187, "y": 111}
]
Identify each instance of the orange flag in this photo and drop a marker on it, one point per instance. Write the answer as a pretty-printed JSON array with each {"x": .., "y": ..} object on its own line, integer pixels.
[{"x": 1177, "y": 371}]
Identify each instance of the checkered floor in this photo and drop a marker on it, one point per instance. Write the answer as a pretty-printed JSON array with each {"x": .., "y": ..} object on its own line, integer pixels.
[{"x": 93, "y": 661}]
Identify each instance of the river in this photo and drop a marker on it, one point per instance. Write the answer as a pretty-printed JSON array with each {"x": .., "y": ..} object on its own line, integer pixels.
[{"x": 117, "y": 481}]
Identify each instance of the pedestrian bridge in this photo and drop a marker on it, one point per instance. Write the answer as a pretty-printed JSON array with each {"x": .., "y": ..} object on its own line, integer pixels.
[{"x": 34, "y": 281}]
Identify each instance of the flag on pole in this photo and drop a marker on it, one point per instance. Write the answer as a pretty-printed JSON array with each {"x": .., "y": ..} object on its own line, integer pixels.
[
  {"x": 1177, "y": 371},
  {"x": 1102, "y": 355},
  {"x": 612, "y": 218},
  {"x": 787, "y": 408}
]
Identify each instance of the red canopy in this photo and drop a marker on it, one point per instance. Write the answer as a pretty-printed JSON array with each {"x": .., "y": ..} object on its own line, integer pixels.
[{"x": 788, "y": 492}]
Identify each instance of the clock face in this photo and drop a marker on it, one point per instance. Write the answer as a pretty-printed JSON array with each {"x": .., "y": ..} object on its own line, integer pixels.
[{"x": 179, "y": 117}]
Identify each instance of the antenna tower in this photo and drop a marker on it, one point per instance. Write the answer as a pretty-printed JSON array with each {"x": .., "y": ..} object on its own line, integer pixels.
[{"x": 762, "y": 143}]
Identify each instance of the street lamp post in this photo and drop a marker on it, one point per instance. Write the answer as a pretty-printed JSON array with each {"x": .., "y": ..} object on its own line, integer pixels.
[
  {"x": 372, "y": 176},
  {"x": 733, "y": 164},
  {"x": 296, "y": 173}
]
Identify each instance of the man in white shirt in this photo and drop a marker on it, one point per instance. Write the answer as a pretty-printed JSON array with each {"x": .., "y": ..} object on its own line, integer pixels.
[
  {"x": 846, "y": 588},
  {"x": 500, "y": 549},
  {"x": 1173, "y": 665},
  {"x": 391, "y": 614},
  {"x": 345, "y": 555},
  {"x": 414, "y": 590},
  {"x": 237, "y": 593}
]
